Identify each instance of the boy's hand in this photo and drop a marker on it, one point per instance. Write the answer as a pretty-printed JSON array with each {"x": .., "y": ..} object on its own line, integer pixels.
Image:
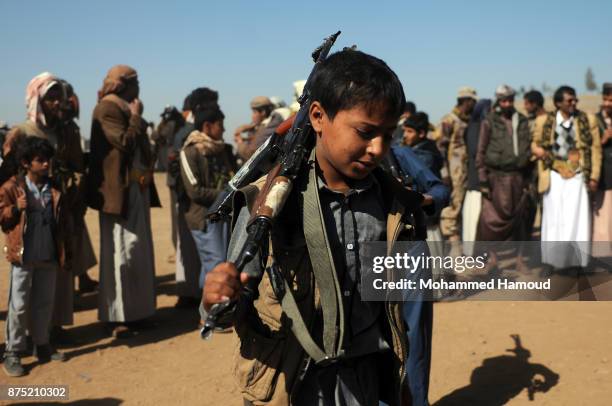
[
  {"x": 223, "y": 283},
  {"x": 22, "y": 202}
]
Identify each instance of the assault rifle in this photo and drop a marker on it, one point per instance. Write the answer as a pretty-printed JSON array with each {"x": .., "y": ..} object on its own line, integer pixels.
[{"x": 283, "y": 158}]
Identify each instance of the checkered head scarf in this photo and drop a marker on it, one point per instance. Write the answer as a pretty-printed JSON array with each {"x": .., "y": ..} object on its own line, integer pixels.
[{"x": 35, "y": 92}]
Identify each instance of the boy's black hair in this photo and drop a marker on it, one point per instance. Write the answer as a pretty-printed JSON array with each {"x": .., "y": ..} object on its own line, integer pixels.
[
  {"x": 558, "y": 96},
  {"x": 535, "y": 97},
  {"x": 187, "y": 103},
  {"x": 201, "y": 96},
  {"x": 410, "y": 107},
  {"x": 32, "y": 147},
  {"x": 207, "y": 113},
  {"x": 351, "y": 78},
  {"x": 419, "y": 121}
]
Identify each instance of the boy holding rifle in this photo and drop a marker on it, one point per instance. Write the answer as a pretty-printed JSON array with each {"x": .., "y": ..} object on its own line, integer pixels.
[{"x": 305, "y": 335}]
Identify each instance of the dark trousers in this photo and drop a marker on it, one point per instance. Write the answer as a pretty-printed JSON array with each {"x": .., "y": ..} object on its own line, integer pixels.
[{"x": 418, "y": 315}]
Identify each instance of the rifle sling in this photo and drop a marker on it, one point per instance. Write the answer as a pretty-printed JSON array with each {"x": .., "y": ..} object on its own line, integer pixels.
[{"x": 326, "y": 280}]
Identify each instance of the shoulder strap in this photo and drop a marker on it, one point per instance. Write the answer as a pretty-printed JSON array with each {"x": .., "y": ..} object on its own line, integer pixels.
[
  {"x": 323, "y": 266},
  {"x": 326, "y": 280}
]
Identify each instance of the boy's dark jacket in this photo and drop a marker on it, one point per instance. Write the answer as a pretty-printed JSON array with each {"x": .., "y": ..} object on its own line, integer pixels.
[
  {"x": 13, "y": 221},
  {"x": 428, "y": 152},
  {"x": 268, "y": 357}
]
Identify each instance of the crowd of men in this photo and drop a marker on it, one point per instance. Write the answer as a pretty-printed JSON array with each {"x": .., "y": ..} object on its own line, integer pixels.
[
  {"x": 484, "y": 172},
  {"x": 505, "y": 166}
]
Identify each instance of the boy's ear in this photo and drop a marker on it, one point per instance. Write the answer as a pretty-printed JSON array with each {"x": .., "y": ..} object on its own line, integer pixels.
[{"x": 316, "y": 115}]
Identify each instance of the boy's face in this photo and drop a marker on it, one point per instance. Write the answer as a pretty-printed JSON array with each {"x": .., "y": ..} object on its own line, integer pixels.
[
  {"x": 39, "y": 166},
  {"x": 411, "y": 136},
  {"x": 354, "y": 142},
  {"x": 257, "y": 116},
  {"x": 214, "y": 130}
]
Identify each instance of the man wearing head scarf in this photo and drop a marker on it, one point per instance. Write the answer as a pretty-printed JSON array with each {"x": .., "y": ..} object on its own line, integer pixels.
[
  {"x": 121, "y": 188},
  {"x": 450, "y": 139},
  {"x": 567, "y": 141},
  {"x": 504, "y": 168},
  {"x": 52, "y": 106}
]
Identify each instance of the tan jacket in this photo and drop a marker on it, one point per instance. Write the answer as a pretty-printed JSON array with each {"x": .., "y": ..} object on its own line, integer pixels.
[
  {"x": 590, "y": 152},
  {"x": 13, "y": 221},
  {"x": 204, "y": 177},
  {"x": 450, "y": 140},
  {"x": 266, "y": 365},
  {"x": 115, "y": 136}
]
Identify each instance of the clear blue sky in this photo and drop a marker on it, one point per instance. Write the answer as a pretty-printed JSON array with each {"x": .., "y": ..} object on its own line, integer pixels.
[{"x": 248, "y": 48}]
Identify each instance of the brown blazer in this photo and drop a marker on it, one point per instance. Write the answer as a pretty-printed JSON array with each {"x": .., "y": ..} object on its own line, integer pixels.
[
  {"x": 115, "y": 136},
  {"x": 13, "y": 221}
]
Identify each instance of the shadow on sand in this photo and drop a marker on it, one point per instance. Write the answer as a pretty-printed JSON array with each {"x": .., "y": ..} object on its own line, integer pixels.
[
  {"x": 164, "y": 285},
  {"x": 168, "y": 322},
  {"x": 501, "y": 378}
]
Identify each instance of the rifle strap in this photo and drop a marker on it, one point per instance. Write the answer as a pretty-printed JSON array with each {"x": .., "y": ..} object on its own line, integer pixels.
[
  {"x": 323, "y": 266},
  {"x": 299, "y": 328},
  {"x": 325, "y": 278}
]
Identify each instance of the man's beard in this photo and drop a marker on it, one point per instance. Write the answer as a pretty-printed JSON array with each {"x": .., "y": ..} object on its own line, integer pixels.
[{"x": 507, "y": 111}]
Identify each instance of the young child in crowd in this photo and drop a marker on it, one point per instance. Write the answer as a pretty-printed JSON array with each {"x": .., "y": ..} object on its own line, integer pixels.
[
  {"x": 207, "y": 164},
  {"x": 29, "y": 210}
]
